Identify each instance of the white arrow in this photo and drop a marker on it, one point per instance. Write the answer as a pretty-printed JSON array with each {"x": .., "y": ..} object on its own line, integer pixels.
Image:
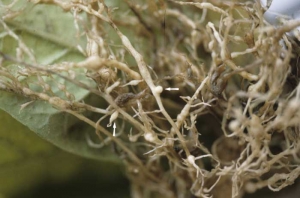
[
  {"x": 114, "y": 133},
  {"x": 172, "y": 89}
]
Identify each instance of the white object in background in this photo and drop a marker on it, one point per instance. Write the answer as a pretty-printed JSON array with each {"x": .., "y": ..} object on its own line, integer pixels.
[{"x": 289, "y": 9}]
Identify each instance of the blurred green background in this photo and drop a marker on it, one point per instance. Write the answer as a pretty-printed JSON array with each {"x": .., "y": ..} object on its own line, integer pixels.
[{"x": 32, "y": 167}]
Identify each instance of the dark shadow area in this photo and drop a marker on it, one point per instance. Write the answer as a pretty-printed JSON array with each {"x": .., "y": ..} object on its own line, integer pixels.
[
  {"x": 92, "y": 179},
  {"x": 81, "y": 185},
  {"x": 292, "y": 191}
]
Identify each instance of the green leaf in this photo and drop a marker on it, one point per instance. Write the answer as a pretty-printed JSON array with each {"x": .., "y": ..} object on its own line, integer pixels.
[
  {"x": 59, "y": 128},
  {"x": 50, "y": 33}
]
